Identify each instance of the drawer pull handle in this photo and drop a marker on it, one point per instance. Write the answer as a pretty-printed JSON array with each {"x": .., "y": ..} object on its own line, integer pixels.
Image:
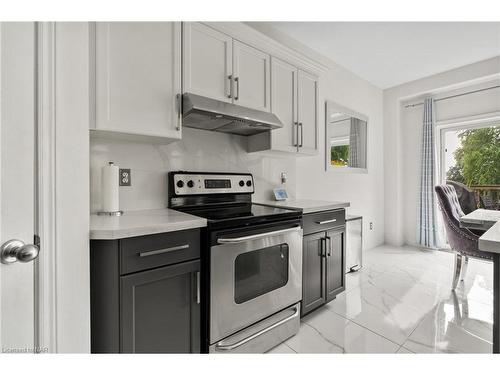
[
  {"x": 326, "y": 221},
  {"x": 162, "y": 251}
]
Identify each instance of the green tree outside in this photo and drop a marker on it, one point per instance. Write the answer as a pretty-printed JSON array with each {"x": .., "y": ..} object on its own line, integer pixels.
[
  {"x": 339, "y": 155},
  {"x": 477, "y": 158}
]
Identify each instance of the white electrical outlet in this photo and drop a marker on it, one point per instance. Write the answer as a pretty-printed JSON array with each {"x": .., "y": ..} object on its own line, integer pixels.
[{"x": 283, "y": 177}]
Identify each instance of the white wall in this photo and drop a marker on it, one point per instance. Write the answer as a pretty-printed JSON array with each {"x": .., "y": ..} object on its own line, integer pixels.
[
  {"x": 198, "y": 150},
  {"x": 403, "y": 134},
  {"x": 365, "y": 192}
]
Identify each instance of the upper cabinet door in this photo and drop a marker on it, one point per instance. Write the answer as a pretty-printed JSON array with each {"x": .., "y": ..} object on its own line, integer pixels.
[
  {"x": 207, "y": 62},
  {"x": 138, "y": 77},
  {"x": 308, "y": 112},
  {"x": 252, "y": 84},
  {"x": 284, "y": 104}
]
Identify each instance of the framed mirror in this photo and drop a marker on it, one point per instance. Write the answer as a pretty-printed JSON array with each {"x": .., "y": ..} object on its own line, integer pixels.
[{"x": 346, "y": 140}]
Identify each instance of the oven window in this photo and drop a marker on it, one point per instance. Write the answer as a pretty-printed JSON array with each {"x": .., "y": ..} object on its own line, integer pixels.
[{"x": 260, "y": 272}]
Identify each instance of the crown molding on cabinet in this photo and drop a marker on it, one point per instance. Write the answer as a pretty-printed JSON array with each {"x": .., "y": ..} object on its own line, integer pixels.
[{"x": 255, "y": 38}]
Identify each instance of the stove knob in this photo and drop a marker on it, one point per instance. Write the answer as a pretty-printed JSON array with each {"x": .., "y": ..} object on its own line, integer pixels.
[
  {"x": 242, "y": 183},
  {"x": 249, "y": 183},
  {"x": 190, "y": 183},
  {"x": 180, "y": 184}
]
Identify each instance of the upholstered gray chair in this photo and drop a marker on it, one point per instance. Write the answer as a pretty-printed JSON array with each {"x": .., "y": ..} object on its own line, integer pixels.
[
  {"x": 463, "y": 241},
  {"x": 466, "y": 196}
]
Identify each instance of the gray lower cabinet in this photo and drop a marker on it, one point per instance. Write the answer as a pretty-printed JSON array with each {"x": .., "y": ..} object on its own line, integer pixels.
[
  {"x": 335, "y": 258},
  {"x": 145, "y": 294},
  {"x": 159, "y": 310},
  {"x": 323, "y": 260},
  {"x": 313, "y": 272}
]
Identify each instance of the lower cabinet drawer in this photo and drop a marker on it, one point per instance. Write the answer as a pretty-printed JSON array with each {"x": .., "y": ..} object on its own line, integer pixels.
[
  {"x": 146, "y": 252},
  {"x": 321, "y": 221}
]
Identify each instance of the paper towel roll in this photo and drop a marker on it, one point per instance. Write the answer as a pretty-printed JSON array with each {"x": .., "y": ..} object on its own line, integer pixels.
[{"x": 110, "y": 179}]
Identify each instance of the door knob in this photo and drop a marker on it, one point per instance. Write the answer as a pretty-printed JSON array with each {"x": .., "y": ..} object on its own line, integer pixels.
[{"x": 16, "y": 250}]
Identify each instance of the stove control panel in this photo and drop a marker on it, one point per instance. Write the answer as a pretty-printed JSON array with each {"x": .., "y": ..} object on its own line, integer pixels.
[{"x": 186, "y": 183}]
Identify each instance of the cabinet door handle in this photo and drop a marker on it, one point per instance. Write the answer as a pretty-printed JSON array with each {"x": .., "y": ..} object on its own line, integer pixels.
[
  {"x": 329, "y": 239},
  {"x": 237, "y": 80},
  {"x": 301, "y": 135},
  {"x": 179, "y": 112},
  {"x": 162, "y": 251},
  {"x": 198, "y": 287},
  {"x": 295, "y": 134},
  {"x": 323, "y": 248},
  {"x": 230, "y": 78}
]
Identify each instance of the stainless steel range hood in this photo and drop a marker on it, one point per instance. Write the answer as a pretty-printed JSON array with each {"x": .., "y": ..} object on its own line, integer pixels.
[{"x": 208, "y": 114}]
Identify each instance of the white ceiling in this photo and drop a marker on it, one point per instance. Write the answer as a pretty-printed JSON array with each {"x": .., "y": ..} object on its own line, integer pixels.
[{"x": 390, "y": 53}]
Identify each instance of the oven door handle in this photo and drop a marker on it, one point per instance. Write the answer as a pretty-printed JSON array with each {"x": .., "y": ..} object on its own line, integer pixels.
[
  {"x": 257, "y": 334},
  {"x": 257, "y": 236}
]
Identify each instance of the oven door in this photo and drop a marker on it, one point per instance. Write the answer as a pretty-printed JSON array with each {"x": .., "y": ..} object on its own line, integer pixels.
[{"x": 252, "y": 277}]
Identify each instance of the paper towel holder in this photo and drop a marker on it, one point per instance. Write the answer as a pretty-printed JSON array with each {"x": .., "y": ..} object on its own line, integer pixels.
[{"x": 110, "y": 213}]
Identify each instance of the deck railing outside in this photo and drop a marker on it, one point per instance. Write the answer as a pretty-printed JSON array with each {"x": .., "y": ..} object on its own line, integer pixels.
[{"x": 487, "y": 196}]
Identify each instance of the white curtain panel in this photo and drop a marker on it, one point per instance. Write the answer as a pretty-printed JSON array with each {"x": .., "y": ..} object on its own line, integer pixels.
[
  {"x": 429, "y": 233},
  {"x": 354, "y": 139}
]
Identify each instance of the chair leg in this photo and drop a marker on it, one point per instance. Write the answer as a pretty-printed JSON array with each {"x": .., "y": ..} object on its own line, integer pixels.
[
  {"x": 465, "y": 264},
  {"x": 458, "y": 270}
]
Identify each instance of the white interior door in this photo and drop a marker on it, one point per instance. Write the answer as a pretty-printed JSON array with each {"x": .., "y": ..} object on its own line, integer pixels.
[{"x": 17, "y": 186}]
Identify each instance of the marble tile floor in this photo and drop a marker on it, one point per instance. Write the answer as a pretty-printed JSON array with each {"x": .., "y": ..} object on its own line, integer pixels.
[{"x": 401, "y": 302}]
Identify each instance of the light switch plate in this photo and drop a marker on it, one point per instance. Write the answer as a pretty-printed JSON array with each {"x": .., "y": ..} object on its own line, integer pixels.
[{"x": 125, "y": 177}]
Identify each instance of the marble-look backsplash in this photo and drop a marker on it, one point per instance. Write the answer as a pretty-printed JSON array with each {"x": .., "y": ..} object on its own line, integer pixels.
[{"x": 198, "y": 151}]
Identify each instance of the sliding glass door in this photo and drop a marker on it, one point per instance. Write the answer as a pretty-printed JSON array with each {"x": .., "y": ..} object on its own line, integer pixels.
[{"x": 470, "y": 161}]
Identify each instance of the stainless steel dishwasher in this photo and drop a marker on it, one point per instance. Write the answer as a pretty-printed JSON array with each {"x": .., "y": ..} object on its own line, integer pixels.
[{"x": 354, "y": 243}]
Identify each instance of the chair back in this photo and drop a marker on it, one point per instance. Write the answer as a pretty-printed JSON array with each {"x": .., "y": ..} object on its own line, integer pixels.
[
  {"x": 461, "y": 240},
  {"x": 448, "y": 200},
  {"x": 466, "y": 196}
]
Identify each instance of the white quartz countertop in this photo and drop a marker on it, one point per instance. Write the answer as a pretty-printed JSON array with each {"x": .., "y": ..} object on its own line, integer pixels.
[
  {"x": 481, "y": 217},
  {"x": 306, "y": 205},
  {"x": 490, "y": 241},
  {"x": 488, "y": 220},
  {"x": 140, "y": 223}
]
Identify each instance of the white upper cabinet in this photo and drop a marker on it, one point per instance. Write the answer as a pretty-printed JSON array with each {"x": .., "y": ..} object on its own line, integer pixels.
[
  {"x": 307, "y": 110},
  {"x": 208, "y": 62},
  {"x": 222, "y": 68},
  {"x": 138, "y": 78},
  {"x": 252, "y": 84},
  {"x": 294, "y": 99},
  {"x": 284, "y": 104}
]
